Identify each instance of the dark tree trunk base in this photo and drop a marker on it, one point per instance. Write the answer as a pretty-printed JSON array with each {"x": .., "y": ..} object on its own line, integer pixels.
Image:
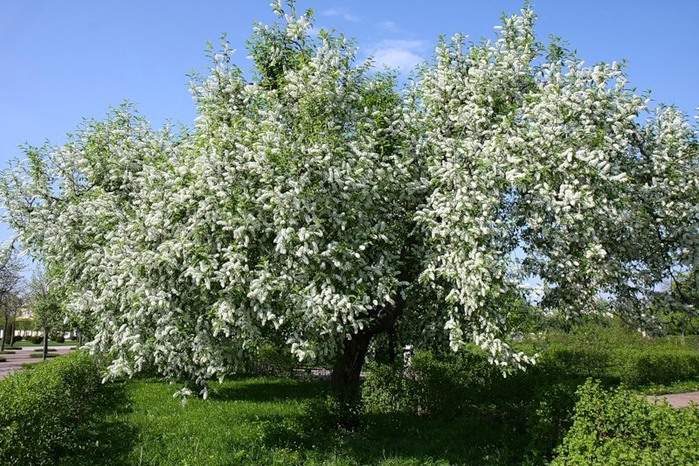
[
  {"x": 346, "y": 374},
  {"x": 46, "y": 342}
]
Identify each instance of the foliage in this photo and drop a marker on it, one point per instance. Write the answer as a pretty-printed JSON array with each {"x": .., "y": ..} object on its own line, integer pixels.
[
  {"x": 46, "y": 303},
  {"x": 537, "y": 403},
  {"x": 657, "y": 365},
  {"x": 44, "y": 406},
  {"x": 618, "y": 427},
  {"x": 274, "y": 360},
  {"x": 430, "y": 386},
  {"x": 36, "y": 339},
  {"x": 678, "y": 305},
  {"x": 10, "y": 287},
  {"x": 312, "y": 199}
]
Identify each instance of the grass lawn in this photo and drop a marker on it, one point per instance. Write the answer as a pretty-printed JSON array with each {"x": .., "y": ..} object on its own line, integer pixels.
[
  {"x": 279, "y": 421},
  {"x": 678, "y": 387},
  {"x": 41, "y": 355},
  {"x": 51, "y": 343}
]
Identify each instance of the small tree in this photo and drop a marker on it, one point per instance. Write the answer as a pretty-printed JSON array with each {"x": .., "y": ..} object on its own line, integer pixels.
[{"x": 47, "y": 306}]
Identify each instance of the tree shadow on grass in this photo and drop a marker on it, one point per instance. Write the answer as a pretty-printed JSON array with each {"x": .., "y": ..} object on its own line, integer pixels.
[
  {"x": 264, "y": 390},
  {"x": 105, "y": 438},
  {"x": 398, "y": 439}
]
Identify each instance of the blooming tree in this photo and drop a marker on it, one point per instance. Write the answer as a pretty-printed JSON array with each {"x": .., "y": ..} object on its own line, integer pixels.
[
  {"x": 11, "y": 284},
  {"x": 46, "y": 305},
  {"x": 315, "y": 202}
]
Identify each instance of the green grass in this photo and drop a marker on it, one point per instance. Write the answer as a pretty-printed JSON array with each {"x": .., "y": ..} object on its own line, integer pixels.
[
  {"x": 41, "y": 350},
  {"x": 280, "y": 421},
  {"x": 51, "y": 343},
  {"x": 7, "y": 352},
  {"x": 678, "y": 387},
  {"x": 40, "y": 355},
  {"x": 286, "y": 422},
  {"x": 2, "y": 359}
]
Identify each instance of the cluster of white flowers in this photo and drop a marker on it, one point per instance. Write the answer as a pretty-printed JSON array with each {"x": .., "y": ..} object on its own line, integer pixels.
[{"x": 300, "y": 202}]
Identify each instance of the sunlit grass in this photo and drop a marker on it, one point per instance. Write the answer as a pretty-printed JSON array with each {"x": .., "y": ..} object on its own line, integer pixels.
[{"x": 280, "y": 421}]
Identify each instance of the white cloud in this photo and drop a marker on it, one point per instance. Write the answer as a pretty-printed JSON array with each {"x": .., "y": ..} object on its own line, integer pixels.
[
  {"x": 400, "y": 54},
  {"x": 388, "y": 26},
  {"x": 342, "y": 13}
]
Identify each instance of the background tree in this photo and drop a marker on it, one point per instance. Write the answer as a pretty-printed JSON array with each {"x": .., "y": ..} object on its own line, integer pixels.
[
  {"x": 47, "y": 306},
  {"x": 315, "y": 202},
  {"x": 11, "y": 282}
]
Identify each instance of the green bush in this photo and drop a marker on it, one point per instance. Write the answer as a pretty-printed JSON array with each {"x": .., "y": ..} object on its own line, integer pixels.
[
  {"x": 430, "y": 386},
  {"x": 36, "y": 340},
  {"x": 386, "y": 389},
  {"x": 656, "y": 365},
  {"x": 274, "y": 360},
  {"x": 618, "y": 427},
  {"x": 537, "y": 403},
  {"x": 43, "y": 407},
  {"x": 60, "y": 339}
]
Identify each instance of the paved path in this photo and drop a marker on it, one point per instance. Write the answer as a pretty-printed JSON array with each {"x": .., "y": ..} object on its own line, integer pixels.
[
  {"x": 15, "y": 361},
  {"x": 678, "y": 400}
]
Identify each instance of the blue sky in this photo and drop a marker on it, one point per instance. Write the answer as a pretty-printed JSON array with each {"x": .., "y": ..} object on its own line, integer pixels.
[{"x": 63, "y": 61}]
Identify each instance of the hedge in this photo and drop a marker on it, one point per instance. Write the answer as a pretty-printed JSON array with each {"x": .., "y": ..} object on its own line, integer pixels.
[
  {"x": 539, "y": 401},
  {"x": 617, "y": 427},
  {"x": 43, "y": 407},
  {"x": 656, "y": 365}
]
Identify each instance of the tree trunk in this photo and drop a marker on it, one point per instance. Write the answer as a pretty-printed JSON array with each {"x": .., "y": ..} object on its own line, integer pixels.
[
  {"x": 392, "y": 346},
  {"x": 12, "y": 335},
  {"x": 347, "y": 371},
  {"x": 4, "y": 334},
  {"x": 46, "y": 342},
  {"x": 345, "y": 378},
  {"x": 348, "y": 368}
]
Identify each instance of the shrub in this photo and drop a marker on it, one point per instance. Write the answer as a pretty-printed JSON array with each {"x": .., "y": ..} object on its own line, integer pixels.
[
  {"x": 385, "y": 389},
  {"x": 431, "y": 386},
  {"x": 656, "y": 365},
  {"x": 618, "y": 427},
  {"x": 274, "y": 360},
  {"x": 42, "y": 408},
  {"x": 36, "y": 340},
  {"x": 60, "y": 339},
  {"x": 538, "y": 403}
]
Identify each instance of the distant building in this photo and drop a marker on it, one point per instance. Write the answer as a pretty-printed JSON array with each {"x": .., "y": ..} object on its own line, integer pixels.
[{"x": 24, "y": 313}]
